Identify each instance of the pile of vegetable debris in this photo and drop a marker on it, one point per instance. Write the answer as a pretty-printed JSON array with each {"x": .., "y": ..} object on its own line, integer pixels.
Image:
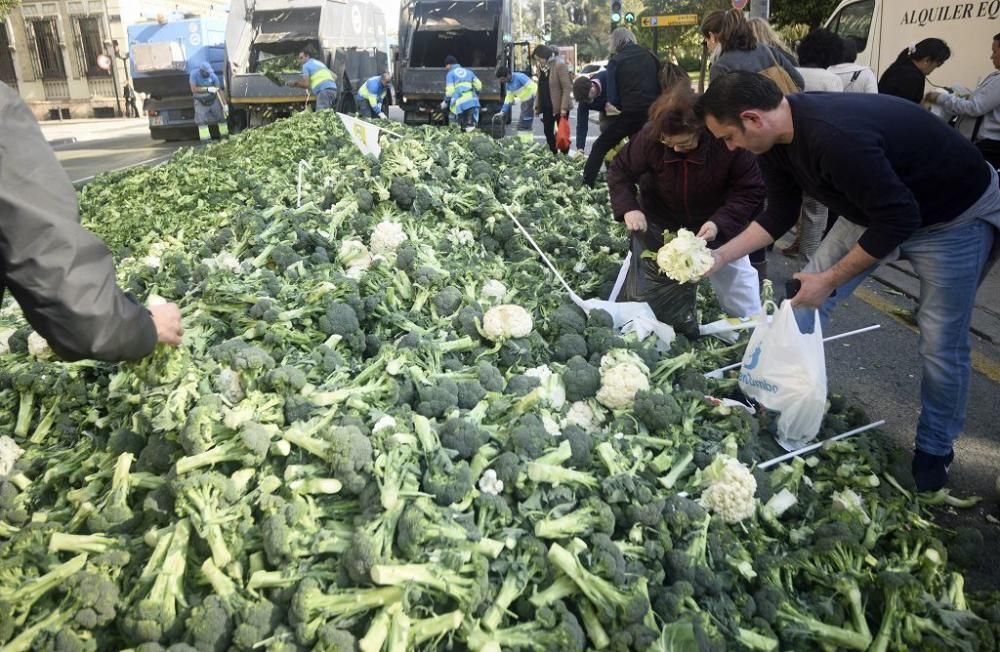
[{"x": 386, "y": 430}]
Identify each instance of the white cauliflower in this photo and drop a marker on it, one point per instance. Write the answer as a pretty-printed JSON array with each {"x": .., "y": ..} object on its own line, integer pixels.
[
  {"x": 685, "y": 258},
  {"x": 227, "y": 261},
  {"x": 493, "y": 291},
  {"x": 152, "y": 261},
  {"x": 551, "y": 388},
  {"x": 386, "y": 238},
  {"x": 583, "y": 415},
  {"x": 506, "y": 321},
  {"x": 37, "y": 346},
  {"x": 5, "y": 335},
  {"x": 155, "y": 300},
  {"x": 490, "y": 483},
  {"x": 730, "y": 491},
  {"x": 462, "y": 236},
  {"x": 551, "y": 426},
  {"x": 10, "y": 452},
  {"x": 355, "y": 257},
  {"x": 622, "y": 375},
  {"x": 385, "y": 423}
]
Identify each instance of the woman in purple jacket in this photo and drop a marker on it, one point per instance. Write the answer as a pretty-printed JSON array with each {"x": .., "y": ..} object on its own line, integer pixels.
[{"x": 688, "y": 179}]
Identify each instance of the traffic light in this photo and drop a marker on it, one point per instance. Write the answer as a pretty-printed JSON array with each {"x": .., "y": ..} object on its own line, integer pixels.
[
  {"x": 616, "y": 11},
  {"x": 629, "y": 17}
]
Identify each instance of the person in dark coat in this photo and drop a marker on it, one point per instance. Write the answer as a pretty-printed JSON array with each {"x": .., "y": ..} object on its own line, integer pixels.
[
  {"x": 633, "y": 86},
  {"x": 907, "y": 75},
  {"x": 675, "y": 175},
  {"x": 62, "y": 275}
]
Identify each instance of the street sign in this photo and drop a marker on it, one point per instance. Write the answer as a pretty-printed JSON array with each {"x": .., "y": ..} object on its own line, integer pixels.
[
  {"x": 671, "y": 20},
  {"x": 739, "y": 4},
  {"x": 104, "y": 62}
]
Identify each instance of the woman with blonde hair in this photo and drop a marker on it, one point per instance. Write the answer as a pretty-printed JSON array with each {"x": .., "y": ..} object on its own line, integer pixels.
[{"x": 765, "y": 34}]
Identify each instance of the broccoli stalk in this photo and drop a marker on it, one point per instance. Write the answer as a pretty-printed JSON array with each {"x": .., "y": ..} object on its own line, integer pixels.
[
  {"x": 312, "y": 606},
  {"x": 24, "y": 597},
  {"x": 250, "y": 448},
  {"x": 564, "y": 634},
  {"x": 378, "y": 632},
  {"x": 604, "y": 595},
  {"x": 593, "y": 516},
  {"x": 561, "y": 587},
  {"x": 466, "y": 586},
  {"x": 554, "y": 474},
  {"x": 45, "y": 425},
  {"x": 202, "y": 497},
  {"x": 156, "y": 615},
  {"x": 803, "y": 623},
  {"x": 426, "y": 629},
  {"x": 679, "y": 463},
  {"x": 592, "y": 624},
  {"x": 80, "y": 543}
]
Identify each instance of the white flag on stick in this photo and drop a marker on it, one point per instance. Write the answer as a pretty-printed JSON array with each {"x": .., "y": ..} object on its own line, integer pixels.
[{"x": 364, "y": 134}]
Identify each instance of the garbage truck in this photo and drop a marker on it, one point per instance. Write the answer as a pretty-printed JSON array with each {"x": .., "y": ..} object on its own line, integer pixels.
[
  {"x": 162, "y": 55},
  {"x": 263, "y": 38},
  {"x": 476, "y": 32}
]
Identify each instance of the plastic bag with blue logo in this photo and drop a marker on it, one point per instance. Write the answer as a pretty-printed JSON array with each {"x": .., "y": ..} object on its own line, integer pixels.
[{"x": 784, "y": 370}]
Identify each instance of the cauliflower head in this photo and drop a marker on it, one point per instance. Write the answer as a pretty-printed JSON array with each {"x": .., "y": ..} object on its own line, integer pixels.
[
  {"x": 493, "y": 291},
  {"x": 623, "y": 374},
  {"x": 10, "y": 452},
  {"x": 386, "y": 238},
  {"x": 730, "y": 491},
  {"x": 582, "y": 414},
  {"x": 506, "y": 321},
  {"x": 685, "y": 258}
]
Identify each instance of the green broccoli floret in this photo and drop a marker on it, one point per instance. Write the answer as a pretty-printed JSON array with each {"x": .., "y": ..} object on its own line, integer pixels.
[
  {"x": 447, "y": 300},
  {"x": 437, "y": 399},
  {"x": 966, "y": 547},
  {"x": 567, "y": 319},
  {"x": 468, "y": 584},
  {"x": 403, "y": 191},
  {"x": 519, "y": 384},
  {"x": 342, "y": 319},
  {"x": 250, "y": 448},
  {"x": 255, "y": 618},
  {"x": 312, "y": 607},
  {"x": 114, "y": 510},
  {"x": 125, "y": 440},
  {"x": 448, "y": 482},
  {"x": 365, "y": 200},
  {"x": 297, "y": 408},
  {"x": 330, "y": 638},
  {"x": 569, "y": 345},
  {"x": 210, "y": 500},
  {"x": 606, "y": 558},
  {"x": 155, "y": 614},
  {"x": 466, "y": 318},
  {"x": 630, "y": 604},
  {"x": 554, "y": 629},
  {"x": 693, "y": 380},
  {"x": 210, "y": 626},
  {"x": 463, "y": 436},
  {"x": 490, "y": 377},
  {"x": 582, "y": 379},
  {"x": 656, "y": 410},
  {"x": 601, "y": 340},
  {"x": 528, "y": 438},
  {"x": 285, "y": 380},
  {"x": 345, "y": 448},
  {"x": 470, "y": 393},
  {"x": 243, "y": 357},
  {"x": 593, "y": 515},
  {"x": 508, "y": 467},
  {"x": 646, "y": 509},
  {"x": 202, "y": 425},
  {"x": 581, "y": 444}
]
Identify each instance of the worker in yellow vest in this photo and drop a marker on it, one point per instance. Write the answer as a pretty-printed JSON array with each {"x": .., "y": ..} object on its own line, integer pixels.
[
  {"x": 208, "y": 107},
  {"x": 316, "y": 78}
]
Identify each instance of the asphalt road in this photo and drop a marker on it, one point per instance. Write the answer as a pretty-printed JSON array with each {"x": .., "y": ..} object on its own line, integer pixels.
[{"x": 879, "y": 371}]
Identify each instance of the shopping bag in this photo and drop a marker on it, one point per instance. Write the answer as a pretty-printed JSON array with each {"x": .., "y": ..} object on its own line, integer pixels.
[
  {"x": 784, "y": 370},
  {"x": 673, "y": 303},
  {"x": 562, "y": 135}
]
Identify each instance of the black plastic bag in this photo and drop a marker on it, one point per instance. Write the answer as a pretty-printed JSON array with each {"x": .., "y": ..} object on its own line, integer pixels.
[{"x": 673, "y": 303}]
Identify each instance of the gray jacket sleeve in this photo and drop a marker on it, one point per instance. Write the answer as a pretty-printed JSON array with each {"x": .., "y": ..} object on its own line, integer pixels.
[
  {"x": 62, "y": 275},
  {"x": 984, "y": 99}
]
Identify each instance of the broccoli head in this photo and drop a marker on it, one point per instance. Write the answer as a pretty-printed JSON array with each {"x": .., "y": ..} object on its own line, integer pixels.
[
  {"x": 448, "y": 482},
  {"x": 463, "y": 436},
  {"x": 582, "y": 379}
]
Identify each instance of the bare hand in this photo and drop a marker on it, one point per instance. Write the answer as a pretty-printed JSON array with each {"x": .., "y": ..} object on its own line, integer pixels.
[
  {"x": 167, "y": 319},
  {"x": 815, "y": 290},
  {"x": 931, "y": 98},
  {"x": 717, "y": 264},
  {"x": 708, "y": 231},
  {"x": 635, "y": 221}
]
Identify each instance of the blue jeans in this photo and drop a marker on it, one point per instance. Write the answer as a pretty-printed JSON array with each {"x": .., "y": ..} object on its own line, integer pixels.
[{"x": 951, "y": 261}]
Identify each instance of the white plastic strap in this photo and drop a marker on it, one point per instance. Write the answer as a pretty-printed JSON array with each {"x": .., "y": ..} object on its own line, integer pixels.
[{"x": 811, "y": 447}]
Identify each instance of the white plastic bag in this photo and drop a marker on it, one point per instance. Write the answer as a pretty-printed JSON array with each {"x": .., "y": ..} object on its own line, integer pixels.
[{"x": 785, "y": 370}]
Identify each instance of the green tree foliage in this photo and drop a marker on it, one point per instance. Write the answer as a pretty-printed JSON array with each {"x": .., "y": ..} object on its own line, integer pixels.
[
  {"x": 806, "y": 12},
  {"x": 6, "y": 6}
]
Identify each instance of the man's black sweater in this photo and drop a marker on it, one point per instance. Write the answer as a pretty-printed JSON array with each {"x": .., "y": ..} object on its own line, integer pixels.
[{"x": 878, "y": 161}]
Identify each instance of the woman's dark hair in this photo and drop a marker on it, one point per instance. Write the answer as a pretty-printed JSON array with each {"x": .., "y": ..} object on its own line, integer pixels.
[
  {"x": 848, "y": 51},
  {"x": 581, "y": 88},
  {"x": 672, "y": 114},
  {"x": 732, "y": 94},
  {"x": 930, "y": 48},
  {"x": 543, "y": 52},
  {"x": 736, "y": 33},
  {"x": 672, "y": 76},
  {"x": 820, "y": 48}
]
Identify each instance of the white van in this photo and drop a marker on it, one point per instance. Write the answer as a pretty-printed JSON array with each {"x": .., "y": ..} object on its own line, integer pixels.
[{"x": 884, "y": 28}]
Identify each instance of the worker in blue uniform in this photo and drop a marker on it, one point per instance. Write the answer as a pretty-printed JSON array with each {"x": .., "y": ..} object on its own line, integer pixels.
[
  {"x": 208, "y": 107},
  {"x": 318, "y": 79},
  {"x": 461, "y": 94},
  {"x": 522, "y": 88},
  {"x": 372, "y": 95}
]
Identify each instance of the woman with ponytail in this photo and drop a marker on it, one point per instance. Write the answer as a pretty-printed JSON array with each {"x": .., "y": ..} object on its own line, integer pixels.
[{"x": 907, "y": 75}]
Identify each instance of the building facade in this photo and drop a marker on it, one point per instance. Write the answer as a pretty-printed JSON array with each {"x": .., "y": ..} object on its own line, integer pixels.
[{"x": 61, "y": 56}]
